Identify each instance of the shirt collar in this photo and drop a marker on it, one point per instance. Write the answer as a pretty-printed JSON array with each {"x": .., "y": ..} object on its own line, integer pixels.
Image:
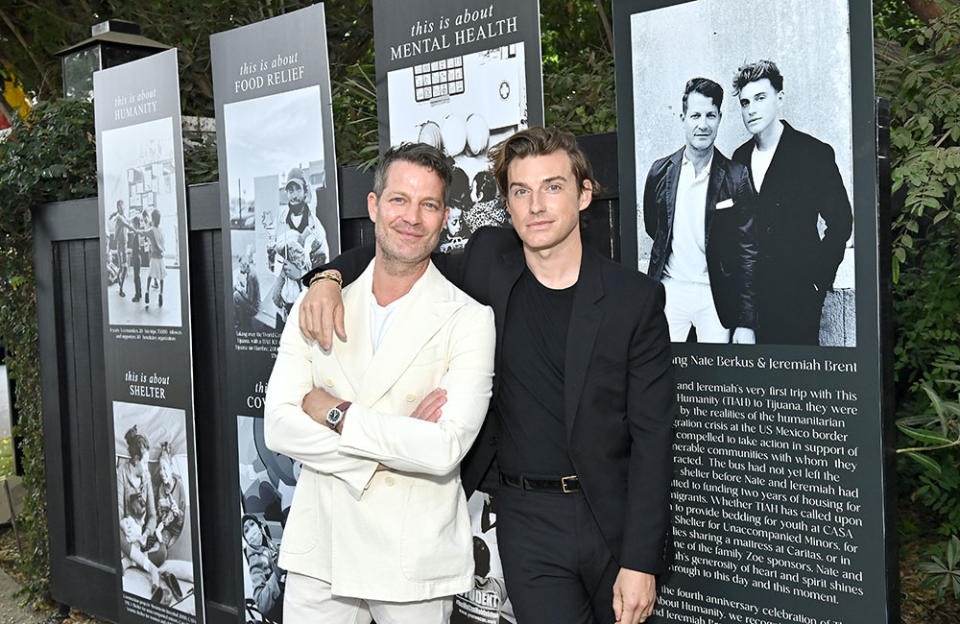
[{"x": 685, "y": 162}]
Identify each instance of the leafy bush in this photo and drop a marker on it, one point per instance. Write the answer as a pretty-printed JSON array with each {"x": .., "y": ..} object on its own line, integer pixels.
[
  {"x": 943, "y": 569},
  {"x": 49, "y": 157},
  {"x": 916, "y": 66}
]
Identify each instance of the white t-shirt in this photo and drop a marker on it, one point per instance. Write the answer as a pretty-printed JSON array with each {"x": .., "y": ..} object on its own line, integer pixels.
[
  {"x": 688, "y": 257},
  {"x": 380, "y": 317},
  {"x": 760, "y": 162}
]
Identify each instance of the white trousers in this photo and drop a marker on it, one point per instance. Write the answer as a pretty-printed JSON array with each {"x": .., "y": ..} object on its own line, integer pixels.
[
  {"x": 690, "y": 304},
  {"x": 308, "y": 601}
]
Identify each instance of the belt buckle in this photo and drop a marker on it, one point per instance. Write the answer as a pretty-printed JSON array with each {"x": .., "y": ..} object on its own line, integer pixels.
[{"x": 570, "y": 484}]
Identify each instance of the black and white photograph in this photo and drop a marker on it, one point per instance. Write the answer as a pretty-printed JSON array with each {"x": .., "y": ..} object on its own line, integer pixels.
[
  {"x": 276, "y": 174},
  {"x": 487, "y": 602},
  {"x": 153, "y": 497},
  {"x": 463, "y": 105},
  {"x": 141, "y": 250},
  {"x": 742, "y": 139},
  {"x": 247, "y": 293},
  {"x": 267, "y": 482}
]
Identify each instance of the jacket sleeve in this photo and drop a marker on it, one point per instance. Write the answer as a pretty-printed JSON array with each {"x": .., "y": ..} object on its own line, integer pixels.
[
  {"x": 651, "y": 407},
  {"x": 411, "y": 445},
  {"x": 650, "y": 216},
  {"x": 289, "y": 430},
  {"x": 831, "y": 197},
  {"x": 350, "y": 263}
]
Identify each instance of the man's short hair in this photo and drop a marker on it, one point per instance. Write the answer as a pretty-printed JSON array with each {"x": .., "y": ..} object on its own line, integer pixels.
[
  {"x": 752, "y": 72},
  {"x": 418, "y": 154},
  {"x": 538, "y": 141},
  {"x": 706, "y": 88}
]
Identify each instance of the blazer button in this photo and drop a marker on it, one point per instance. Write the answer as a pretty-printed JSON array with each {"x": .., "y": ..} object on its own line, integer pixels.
[
  {"x": 328, "y": 382},
  {"x": 411, "y": 398},
  {"x": 389, "y": 481}
]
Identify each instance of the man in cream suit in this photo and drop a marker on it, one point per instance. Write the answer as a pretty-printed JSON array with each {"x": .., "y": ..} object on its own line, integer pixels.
[
  {"x": 379, "y": 526},
  {"x": 698, "y": 207}
]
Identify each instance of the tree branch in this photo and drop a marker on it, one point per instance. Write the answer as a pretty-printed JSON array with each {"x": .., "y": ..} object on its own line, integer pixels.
[
  {"x": 19, "y": 37},
  {"x": 880, "y": 56},
  {"x": 606, "y": 24}
]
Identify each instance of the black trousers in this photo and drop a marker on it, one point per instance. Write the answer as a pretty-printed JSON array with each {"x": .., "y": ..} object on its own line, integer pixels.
[
  {"x": 135, "y": 266},
  {"x": 557, "y": 567},
  {"x": 788, "y": 311}
]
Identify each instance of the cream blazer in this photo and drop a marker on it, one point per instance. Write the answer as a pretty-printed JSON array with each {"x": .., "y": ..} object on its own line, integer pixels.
[{"x": 403, "y": 534}]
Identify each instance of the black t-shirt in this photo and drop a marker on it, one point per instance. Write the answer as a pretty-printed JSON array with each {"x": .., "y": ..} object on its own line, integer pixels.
[{"x": 533, "y": 438}]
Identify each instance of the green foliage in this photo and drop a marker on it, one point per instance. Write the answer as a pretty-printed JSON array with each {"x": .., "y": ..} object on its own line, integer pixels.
[
  {"x": 924, "y": 134},
  {"x": 916, "y": 67},
  {"x": 943, "y": 569},
  {"x": 51, "y": 157},
  {"x": 578, "y": 77},
  {"x": 580, "y": 97},
  {"x": 893, "y": 20},
  {"x": 355, "y": 109},
  {"x": 927, "y": 307},
  {"x": 937, "y": 483},
  {"x": 940, "y": 492},
  {"x": 200, "y": 160},
  {"x": 938, "y": 435},
  {"x": 917, "y": 74}
]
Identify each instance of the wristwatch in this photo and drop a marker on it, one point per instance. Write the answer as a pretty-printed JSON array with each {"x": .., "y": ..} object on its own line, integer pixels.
[{"x": 335, "y": 416}]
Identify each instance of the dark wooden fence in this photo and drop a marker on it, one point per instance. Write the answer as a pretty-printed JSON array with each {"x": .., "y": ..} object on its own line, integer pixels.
[{"x": 79, "y": 457}]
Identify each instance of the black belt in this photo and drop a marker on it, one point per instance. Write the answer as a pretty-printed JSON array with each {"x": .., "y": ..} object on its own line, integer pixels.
[{"x": 566, "y": 485}]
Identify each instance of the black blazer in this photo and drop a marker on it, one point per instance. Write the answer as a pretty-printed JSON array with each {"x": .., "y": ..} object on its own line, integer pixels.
[
  {"x": 730, "y": 240},
  {"x": 619, "y": 392},
  {"x": 802, "y": 184}
]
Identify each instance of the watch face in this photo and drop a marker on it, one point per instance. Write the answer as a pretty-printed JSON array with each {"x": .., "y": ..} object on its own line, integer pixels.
[{"x": 334, "y": 417}]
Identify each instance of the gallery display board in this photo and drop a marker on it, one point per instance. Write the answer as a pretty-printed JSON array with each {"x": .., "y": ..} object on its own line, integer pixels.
[
  {"x": 278, "y": 181},
  {"x": 147, "y": 345},
  {"x": 461, "y": 75},
  {"x": 778, "y": 497}
]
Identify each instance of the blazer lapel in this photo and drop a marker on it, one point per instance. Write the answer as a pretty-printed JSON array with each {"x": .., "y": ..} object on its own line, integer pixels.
[
  {"x": 672, "y": 181},
  {"x": 585, "y": 321},
  {"x": 718, "y": 171},
  {"x": 512, "y": 264},
  {"x": 421, "y": 316},
  {"x": 779, "y": 165},
  {"x": 354, "y": 355}
]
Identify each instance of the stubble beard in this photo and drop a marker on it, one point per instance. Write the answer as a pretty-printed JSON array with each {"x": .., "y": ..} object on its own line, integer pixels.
[{"x": 393, "y": 262}]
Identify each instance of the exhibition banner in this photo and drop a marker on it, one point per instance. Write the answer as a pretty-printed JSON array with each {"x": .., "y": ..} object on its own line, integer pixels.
[
  {"x": 147, "y": 347},
  {"x": 461, "y": 75},
  {"x": 747, "y": 162},
  {"x": 278, "y": 196}
]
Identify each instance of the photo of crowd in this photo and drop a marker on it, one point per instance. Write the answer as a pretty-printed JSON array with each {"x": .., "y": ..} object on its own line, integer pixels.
[{"x": 141, "y": 252}]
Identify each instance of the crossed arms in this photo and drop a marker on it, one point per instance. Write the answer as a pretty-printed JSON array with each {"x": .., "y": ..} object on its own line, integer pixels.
[{"x": 371, "y": 438}]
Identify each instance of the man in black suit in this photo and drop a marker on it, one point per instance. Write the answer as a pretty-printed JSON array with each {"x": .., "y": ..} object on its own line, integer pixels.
[
  {"x": 797, "y": 181},
  {"x": 698, "y": 209},
  {"x": 583, "y": 398}
]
